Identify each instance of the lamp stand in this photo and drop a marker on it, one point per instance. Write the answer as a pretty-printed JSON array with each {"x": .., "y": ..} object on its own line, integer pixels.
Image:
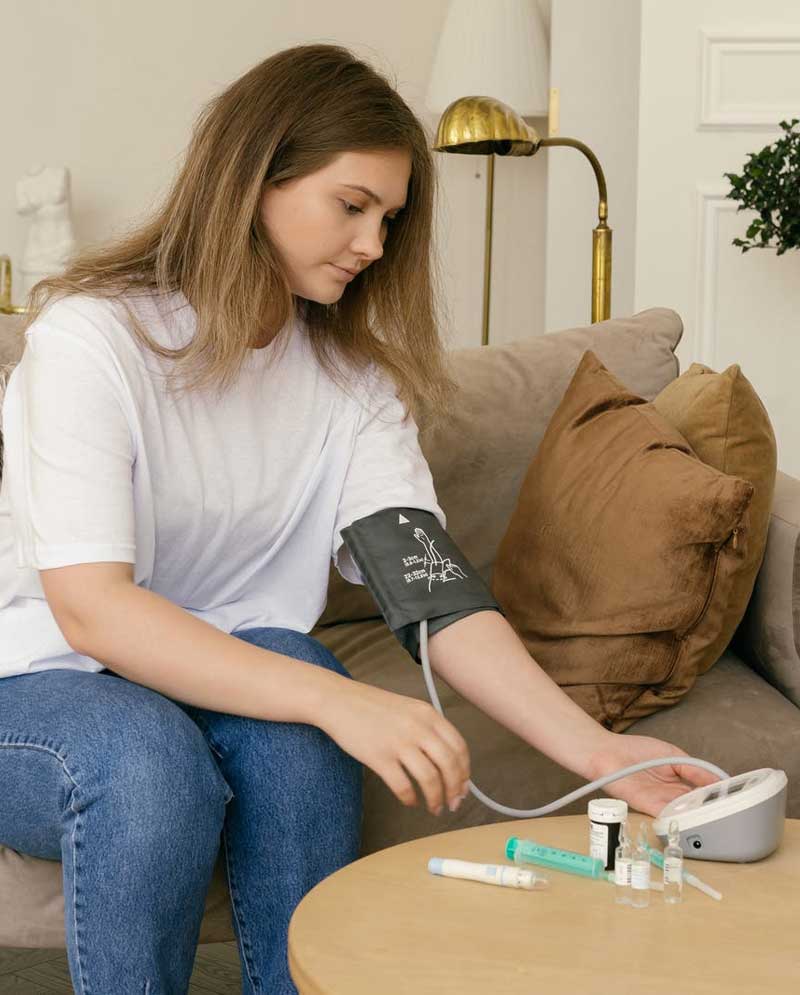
[{"x": 601, "y": 239}]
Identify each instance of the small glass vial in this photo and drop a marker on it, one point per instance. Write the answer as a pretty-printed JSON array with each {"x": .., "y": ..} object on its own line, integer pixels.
[
  {"x": 606, "y": 815},
  {"x": 622, "y": 867},
  {"x": 640, "y": 871},
  {"x": 673, "y": 866}
]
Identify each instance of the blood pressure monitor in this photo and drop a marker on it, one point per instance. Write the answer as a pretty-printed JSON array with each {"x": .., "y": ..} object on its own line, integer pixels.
[{"x": 738, "y": 819}]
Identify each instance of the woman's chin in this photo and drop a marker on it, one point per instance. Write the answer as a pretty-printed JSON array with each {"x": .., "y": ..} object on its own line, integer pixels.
[{"x": 320, "y": 297}]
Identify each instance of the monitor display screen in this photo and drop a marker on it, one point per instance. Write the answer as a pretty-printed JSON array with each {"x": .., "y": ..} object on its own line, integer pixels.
[{"x": 713, "y": 795}]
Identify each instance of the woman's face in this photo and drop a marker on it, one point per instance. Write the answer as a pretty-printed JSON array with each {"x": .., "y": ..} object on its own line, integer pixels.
[{"x": 321, "y": 226}]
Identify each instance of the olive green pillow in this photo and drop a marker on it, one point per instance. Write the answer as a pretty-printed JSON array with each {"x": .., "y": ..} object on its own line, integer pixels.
[{"x": 722, "y": 418}]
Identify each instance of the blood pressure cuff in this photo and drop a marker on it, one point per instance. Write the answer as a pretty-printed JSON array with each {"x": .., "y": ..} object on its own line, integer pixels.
[{"x": 415, "y": 572}]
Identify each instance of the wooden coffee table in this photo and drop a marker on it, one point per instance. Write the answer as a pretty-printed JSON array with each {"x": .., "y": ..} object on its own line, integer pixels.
[{"x": 384, "y": 925}]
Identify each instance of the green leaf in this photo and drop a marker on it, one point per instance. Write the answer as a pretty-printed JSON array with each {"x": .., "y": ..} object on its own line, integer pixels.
[{"x": 769, "y": 185}]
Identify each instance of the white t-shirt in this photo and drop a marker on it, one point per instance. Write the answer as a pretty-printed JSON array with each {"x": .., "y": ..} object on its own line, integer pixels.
[{"x": 230, "y": 506}]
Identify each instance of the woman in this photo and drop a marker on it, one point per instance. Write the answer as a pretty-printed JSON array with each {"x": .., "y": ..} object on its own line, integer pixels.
[{"x": 200, "y": 409}]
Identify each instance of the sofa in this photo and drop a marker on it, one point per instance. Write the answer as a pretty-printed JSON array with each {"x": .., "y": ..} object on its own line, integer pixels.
[{"x": 742, "y": 714}]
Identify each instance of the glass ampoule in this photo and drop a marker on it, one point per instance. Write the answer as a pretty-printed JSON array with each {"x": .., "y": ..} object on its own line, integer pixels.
[
  {"x": 640, "y": 870},
  {"x": 622, "y": 867},
  {"x": 673, "y": 866}
]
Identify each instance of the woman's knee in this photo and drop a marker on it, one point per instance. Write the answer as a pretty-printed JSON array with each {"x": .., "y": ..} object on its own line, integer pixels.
[
  {"x": 286, "y": 743},
  {"x": 152, "y": 758},
  {"x": 114, "y": 750}
]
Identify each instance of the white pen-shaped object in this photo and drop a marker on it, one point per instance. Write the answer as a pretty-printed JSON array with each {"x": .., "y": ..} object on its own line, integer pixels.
[{"x": 505, "y": 875}]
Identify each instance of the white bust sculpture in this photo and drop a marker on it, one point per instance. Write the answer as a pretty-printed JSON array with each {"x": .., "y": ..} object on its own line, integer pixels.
[{"x": 44, "y": 193}]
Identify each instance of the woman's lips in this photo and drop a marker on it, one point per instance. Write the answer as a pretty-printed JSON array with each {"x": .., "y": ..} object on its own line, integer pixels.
[{"x": 342, "y": 273}]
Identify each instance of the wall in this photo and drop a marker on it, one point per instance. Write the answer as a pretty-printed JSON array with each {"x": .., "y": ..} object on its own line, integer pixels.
[{"x": 594, "y": 53}]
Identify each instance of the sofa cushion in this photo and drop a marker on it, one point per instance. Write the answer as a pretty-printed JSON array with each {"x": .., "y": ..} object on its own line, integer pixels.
[
  {"x": 617, "y": 564},
  {"x": 722, "y": 418},
  {"x": 769, "y": 636},
  {"x": 35, "y": 916},
  {"x": 479, "y": 454}
]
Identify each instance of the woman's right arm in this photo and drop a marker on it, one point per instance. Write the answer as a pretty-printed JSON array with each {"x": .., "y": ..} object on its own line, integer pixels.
[{"x": 146, "y": 638}]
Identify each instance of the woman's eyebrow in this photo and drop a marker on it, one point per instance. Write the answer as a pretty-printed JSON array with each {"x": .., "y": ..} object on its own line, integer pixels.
[{"x": 371, "y": 195}]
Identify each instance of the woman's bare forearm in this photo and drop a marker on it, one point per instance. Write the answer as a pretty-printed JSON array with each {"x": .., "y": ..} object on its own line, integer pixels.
[
  {"x": 483, "y": 659},
  {"x": 145, "y": 638}
]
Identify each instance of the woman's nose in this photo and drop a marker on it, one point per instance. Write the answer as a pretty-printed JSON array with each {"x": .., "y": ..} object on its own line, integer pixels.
[{"x": 368, "y": 246}]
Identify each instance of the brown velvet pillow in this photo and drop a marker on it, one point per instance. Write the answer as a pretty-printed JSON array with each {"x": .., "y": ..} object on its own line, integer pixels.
[
  {"x": 722, "y": 418},
  {"x": 618, "y": 561}
]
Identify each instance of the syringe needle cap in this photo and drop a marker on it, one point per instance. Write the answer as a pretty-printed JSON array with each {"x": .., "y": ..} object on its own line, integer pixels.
[{"x": 702, "y": 886}]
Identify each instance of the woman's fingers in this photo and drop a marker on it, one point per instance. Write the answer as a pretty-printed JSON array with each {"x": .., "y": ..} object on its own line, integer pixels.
[
  {"x": 697, "y": 776},
  {"x": 452, "y": 766},
  {"x": 396, "y": 736},
  {"x": 399, "y": 783},
  {"x": 456, "y": 742},
  {"x": 436, "y": 770}
]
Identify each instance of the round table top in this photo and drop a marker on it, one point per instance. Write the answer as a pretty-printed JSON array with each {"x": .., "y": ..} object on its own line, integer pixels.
[{"x": 386, "y": 924}]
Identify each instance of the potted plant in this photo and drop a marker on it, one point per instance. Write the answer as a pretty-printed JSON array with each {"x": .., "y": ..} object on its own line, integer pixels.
[{"x": 770, "y": 185}]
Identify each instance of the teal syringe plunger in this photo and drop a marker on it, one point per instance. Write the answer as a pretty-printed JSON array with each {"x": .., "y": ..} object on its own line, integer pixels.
[{"x": 528, "y": 852}]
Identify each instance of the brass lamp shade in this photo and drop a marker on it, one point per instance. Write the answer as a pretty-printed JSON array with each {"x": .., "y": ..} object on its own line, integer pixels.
[
  {"x": 484, "y": 126},
  {"x": 479, "y": 125}
]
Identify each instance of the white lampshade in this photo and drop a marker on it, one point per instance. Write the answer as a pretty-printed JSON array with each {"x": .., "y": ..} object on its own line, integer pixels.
[{"x": 492, "y": 48}]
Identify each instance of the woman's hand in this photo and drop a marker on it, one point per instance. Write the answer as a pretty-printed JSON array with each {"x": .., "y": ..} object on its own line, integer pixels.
[
  {"x": 395, "y": 736},
  {"x": 647, "y": 791}
]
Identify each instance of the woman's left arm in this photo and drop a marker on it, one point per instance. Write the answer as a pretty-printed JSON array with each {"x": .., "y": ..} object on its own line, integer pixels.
[{"x": 483, "y": 659}]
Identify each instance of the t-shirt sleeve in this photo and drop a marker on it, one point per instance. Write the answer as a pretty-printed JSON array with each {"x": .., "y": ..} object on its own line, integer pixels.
[
  {"x": 387, "y": 468},
  {"x": 69, "y": 451}
]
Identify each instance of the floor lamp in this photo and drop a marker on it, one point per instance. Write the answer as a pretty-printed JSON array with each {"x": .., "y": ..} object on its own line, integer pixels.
[{"x": 500, "y": 48}]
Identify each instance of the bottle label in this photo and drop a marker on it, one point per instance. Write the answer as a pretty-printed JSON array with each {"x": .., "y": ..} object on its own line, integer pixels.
[
  {"x": 673, "y": 870},
  {"x": 598, "y": 841},
  {"x": 640, "y": 875},
  {"x": 622, "y": 871}
]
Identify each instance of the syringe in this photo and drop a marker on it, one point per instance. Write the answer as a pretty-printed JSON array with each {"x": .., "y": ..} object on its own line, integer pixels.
[{"x": 528, "y": 852}]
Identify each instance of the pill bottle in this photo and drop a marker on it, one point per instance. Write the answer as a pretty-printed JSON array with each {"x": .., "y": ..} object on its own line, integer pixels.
[{"x": 605, "y": 817}]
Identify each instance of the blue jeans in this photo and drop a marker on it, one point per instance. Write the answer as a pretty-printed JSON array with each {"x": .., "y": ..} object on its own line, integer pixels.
[{"x": 134, "y": 793}]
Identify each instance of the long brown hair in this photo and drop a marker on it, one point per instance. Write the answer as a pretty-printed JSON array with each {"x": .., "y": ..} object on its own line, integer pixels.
[{"x": 287, "y": 117}]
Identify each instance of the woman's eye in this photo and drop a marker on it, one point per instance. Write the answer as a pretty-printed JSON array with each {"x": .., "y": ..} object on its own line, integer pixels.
[{"x": 352, "y": 209}]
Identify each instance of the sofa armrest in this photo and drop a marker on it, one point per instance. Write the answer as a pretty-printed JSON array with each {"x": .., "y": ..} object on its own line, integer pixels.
[{"x": 769, "y": 634}]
